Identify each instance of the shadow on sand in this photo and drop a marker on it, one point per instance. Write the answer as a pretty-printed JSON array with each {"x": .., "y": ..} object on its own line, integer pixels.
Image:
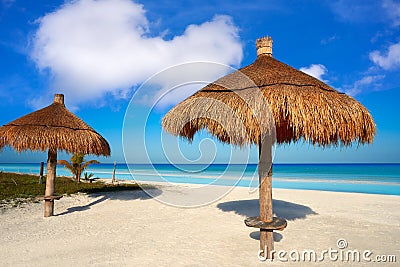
[
  {"x": 250, "y": 207},
  {"x": 118, "y": 195},
  {"x": 256, "y": 235}
]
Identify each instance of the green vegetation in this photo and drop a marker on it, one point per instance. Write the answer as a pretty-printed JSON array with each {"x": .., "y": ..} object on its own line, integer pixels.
[
  {"x": 77, "y": 165},
  {"x": 17, "y": 186},
  {"x": 87, "y": 176}
]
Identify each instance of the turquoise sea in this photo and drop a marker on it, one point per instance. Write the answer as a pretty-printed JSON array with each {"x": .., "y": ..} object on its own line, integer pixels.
[{"x": 361, "y": 178}]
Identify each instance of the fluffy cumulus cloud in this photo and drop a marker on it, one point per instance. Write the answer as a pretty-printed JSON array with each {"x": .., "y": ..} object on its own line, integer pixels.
[
  {"x": 315, "y": 70},
  {"x": 95, "y": 48},
  {"x": 392, "y": 9},
  {"x": 389, "y": 59},
  {"x": 367, "y": 81}
]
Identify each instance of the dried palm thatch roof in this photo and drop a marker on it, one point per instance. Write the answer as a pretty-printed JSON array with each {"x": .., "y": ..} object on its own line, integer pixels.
[
  {"x": 236, "y": 107},
  {"x": 53, "y": 127}
]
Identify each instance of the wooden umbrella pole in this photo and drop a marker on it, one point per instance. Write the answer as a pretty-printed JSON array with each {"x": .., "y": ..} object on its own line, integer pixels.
[
  {"x": 265, "y": 194},
  {"x": 113, "y": 173},
  {"x": 50, "y": 182},
  {"x": 41, "y": 173}
]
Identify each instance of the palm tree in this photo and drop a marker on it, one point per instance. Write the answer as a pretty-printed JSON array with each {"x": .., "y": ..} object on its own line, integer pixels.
[{"x": 77, "y": 165}]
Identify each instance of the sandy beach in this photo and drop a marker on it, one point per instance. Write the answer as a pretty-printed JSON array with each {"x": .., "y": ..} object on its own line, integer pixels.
[{"x": 134, "y": 229}]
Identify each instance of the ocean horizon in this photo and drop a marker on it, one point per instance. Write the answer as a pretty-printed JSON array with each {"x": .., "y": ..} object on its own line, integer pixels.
[{"x": 371, "y": 178}]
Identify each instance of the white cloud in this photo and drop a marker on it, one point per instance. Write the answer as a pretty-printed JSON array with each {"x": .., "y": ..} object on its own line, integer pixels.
[
  {"x": 315, "y": 70},
  {"x": 366, "y": 81},
  {"x": 388, "y": 60},
  {"x": 93, "y": 48},
  {"x": 393, "y": 11},
  {"x": 174, "y": 84}
]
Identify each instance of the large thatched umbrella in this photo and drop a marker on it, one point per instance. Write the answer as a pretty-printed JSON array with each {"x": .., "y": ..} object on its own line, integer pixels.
[
  {"x": 301, "y": 107},
  {"x": 53, "y": 128}
]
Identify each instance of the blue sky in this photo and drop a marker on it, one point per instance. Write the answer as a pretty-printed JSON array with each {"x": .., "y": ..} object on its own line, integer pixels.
[{"x": 99, "y": 53}]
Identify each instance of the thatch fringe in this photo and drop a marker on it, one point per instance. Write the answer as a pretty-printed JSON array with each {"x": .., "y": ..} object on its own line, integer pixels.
[
  {"x": 228, "y": 118},
  {"x": 53, "y": 127},
  {"x": 302, "y": 108}
]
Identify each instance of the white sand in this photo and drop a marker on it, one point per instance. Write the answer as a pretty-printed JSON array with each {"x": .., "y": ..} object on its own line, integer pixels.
[{"x": 132, "y": 229}]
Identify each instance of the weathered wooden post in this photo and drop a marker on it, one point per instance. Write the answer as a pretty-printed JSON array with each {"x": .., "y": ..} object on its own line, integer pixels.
[
  {"x": 113, "y": 174},
  {"x": 51, "y": 173},
  {"x": 41, "y": 172},
  {"x": 266, "y": 222},
  {"x": 265, "y": 194},
  {"x": 50, "y": 183}
]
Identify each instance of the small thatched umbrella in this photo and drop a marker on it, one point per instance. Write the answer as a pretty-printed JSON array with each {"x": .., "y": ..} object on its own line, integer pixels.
[
  {"x": 301, "y": 106},
  {"x": 53, "y": 128}
]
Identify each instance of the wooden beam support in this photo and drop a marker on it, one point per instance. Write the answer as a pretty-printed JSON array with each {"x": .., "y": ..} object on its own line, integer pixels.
[
  {"x": 265, "y": 194},
  {"x": 50, "y": 182}
]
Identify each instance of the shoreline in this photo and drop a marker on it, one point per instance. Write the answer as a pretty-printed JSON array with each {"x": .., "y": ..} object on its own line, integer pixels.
[
  {"x": 144, "y": 182},
  {"x": 127, "y": 228},
  {"x": 274, "y": 187},
  {"x": 223, "y": 164}
]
